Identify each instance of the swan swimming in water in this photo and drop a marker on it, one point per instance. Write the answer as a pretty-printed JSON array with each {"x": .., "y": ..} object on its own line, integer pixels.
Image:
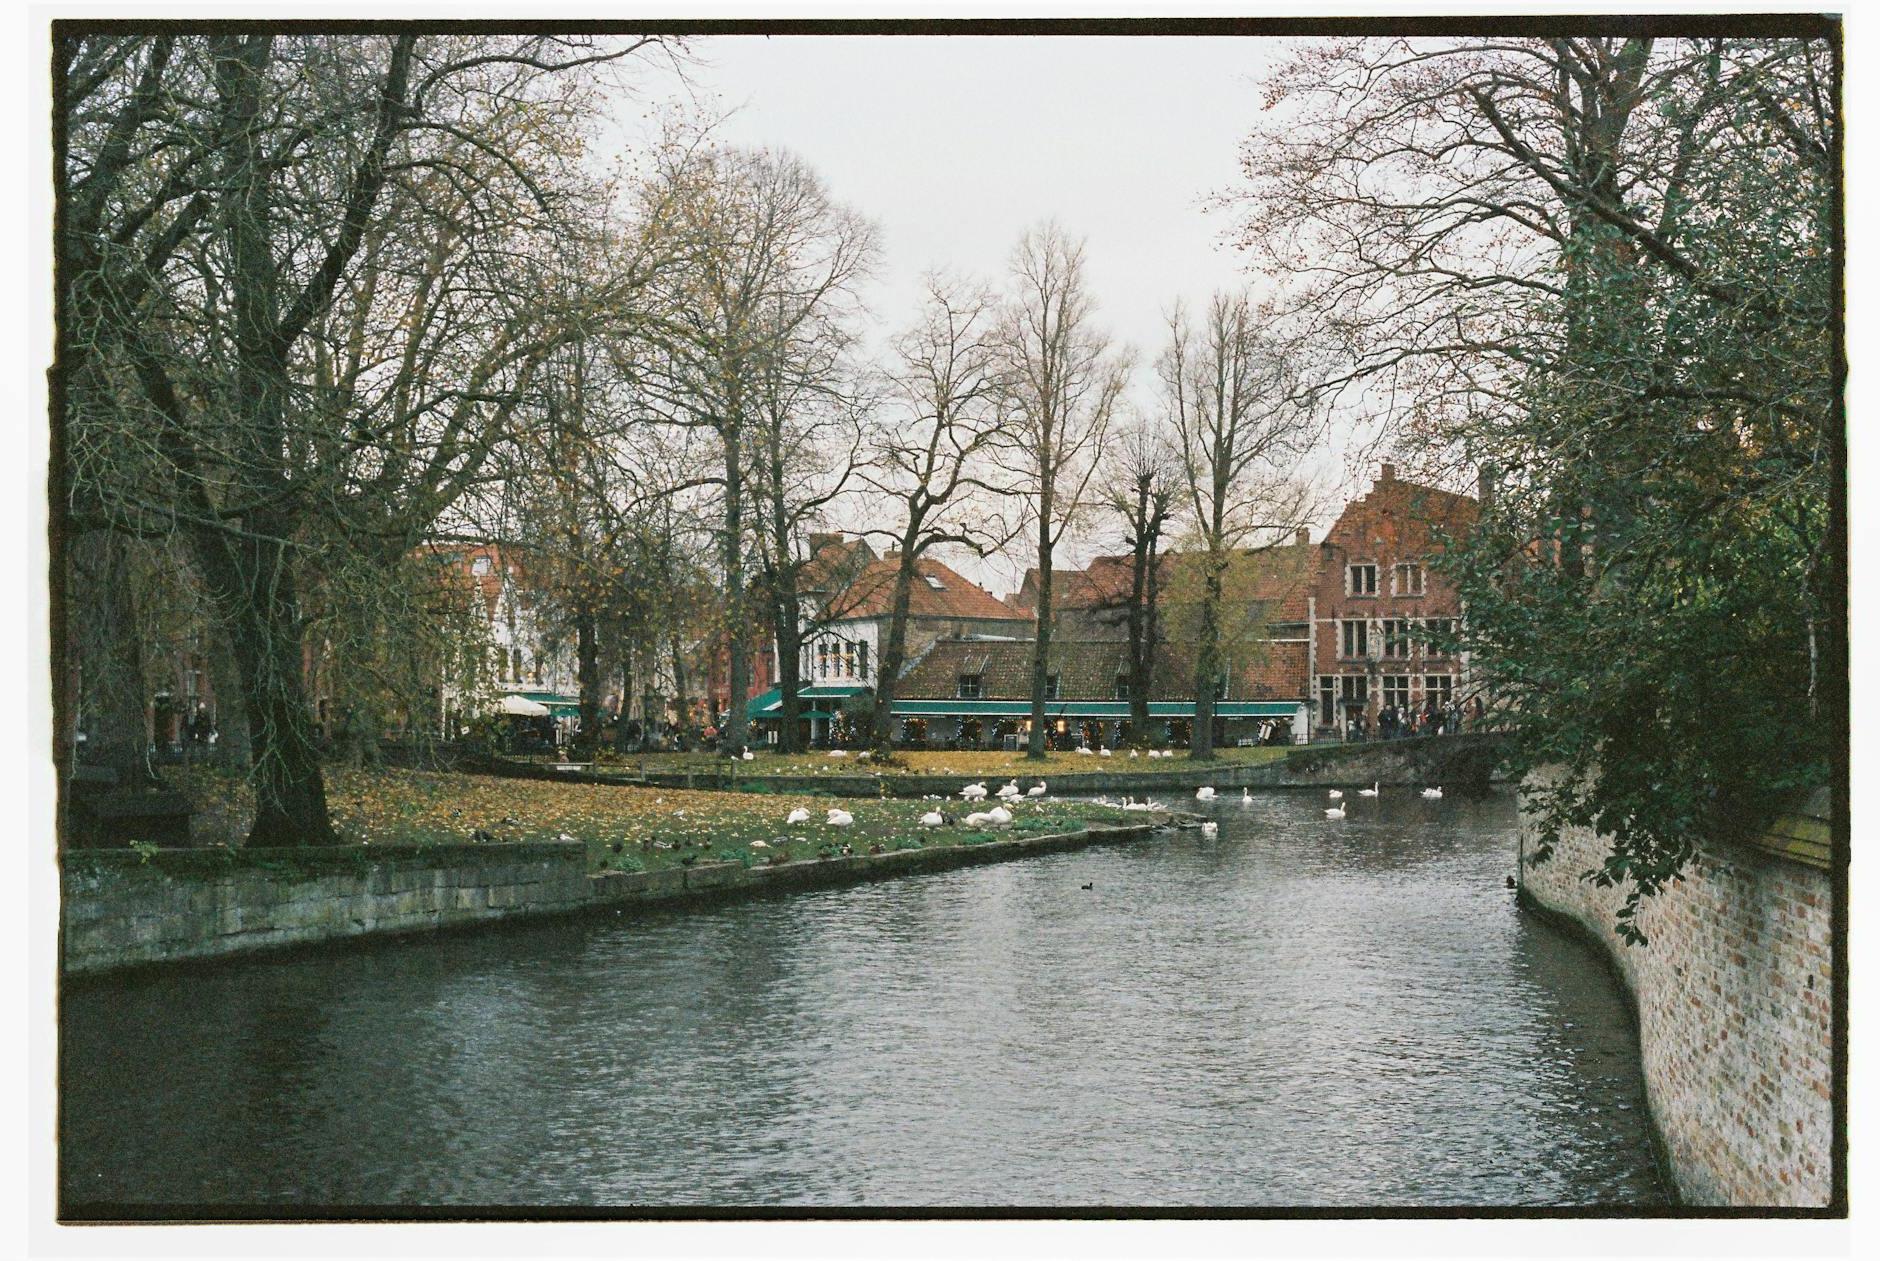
[
  {"x": 1336, "y": 812},
  {"x": 1369, "y": 792},
  {"x": 1204, "y": 794},
  {"x": 1432, "y": 793}
]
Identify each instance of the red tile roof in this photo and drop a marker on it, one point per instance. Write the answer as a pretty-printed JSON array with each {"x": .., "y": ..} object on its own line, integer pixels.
[{"x": 872, "y": 594}]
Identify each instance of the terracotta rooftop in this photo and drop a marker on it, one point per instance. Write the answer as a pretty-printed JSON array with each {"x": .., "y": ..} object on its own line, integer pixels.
[{"x": 937, "y": 591}]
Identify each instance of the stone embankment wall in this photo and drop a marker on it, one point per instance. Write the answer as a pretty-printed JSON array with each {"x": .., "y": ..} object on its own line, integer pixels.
[
  {"x": 119, "y": 911},
  {"x": 1734, "y": 994}
]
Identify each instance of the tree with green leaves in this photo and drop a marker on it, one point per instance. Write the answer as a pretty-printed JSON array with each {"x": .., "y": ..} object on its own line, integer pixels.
[{"x": 1607, "y": 268}]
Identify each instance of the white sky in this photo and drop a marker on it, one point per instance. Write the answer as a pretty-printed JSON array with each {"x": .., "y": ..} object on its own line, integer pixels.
[{"x": 954, "y": 145}]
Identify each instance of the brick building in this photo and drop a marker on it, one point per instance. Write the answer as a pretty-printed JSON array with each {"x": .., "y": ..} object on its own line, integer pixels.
[{"x": 1375, "y": 598}]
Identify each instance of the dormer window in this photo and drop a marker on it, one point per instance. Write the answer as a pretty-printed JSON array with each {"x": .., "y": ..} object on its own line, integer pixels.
[
  {"x": 1050, "y": 687},
  {"x": 1122, "y": 687},
  {"x": 969, "y": 687}
]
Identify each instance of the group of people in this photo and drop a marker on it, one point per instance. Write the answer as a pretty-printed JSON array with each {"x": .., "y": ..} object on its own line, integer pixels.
[{"x": 1398, "y": 722}]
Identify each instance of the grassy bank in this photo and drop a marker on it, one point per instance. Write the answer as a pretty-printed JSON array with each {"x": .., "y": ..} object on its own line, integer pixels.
[
  {"x": 629, "y": 829},
  {"x": 972, "y": 763}
]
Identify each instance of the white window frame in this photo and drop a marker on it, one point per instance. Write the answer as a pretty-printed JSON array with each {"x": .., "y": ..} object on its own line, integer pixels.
[{"x": 1351, "y": 579}]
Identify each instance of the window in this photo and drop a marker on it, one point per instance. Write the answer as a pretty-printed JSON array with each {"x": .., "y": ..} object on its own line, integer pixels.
[
  {"x": 822, "y": 661},
  {"x": 480, "y": 566},
  {"x": 1439, "y": 631},
  {"x": 861, "y": 659},
  {"x": 1220, "y": 688},
  {"x": 1397, "y": 690},
  {"x": 515, "y": 664},
  {"x": 1409, "y": 578},
  {"x": 848, "y": 660},
  {"x": 969, "y": 687},
  {"x": 1440, "y": 688},
  {"x": 1354, "y": 689},
  {"x": 1361, "y": 580},
  {"x": 1357, "y": 640},
  {"x": 934, "y": 582},
  {"x": 1286, "y": 631},
  {"x": 1050, "y": 687},
  {"x": 1397, "y": 637},
  {"x": 1122, "y": 687},
  {"x": 1328, "y": 699}
]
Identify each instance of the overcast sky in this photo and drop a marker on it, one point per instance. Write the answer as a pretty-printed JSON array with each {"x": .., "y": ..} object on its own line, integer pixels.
[{"x": 954, "y": 145}]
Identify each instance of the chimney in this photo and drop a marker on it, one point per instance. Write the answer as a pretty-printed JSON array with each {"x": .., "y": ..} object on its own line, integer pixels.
[
  {"x": 819, "y": 541},
  {"x": 1485, "y": 485},
  {"x": 1302, "y": 536},
  {"x": 1389, "y": 474}
]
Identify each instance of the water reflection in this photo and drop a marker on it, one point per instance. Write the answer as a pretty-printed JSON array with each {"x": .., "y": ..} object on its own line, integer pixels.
[{"x": 1298, "y": 1012}]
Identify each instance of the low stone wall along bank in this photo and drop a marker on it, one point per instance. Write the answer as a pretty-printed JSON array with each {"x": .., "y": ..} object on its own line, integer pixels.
[
  {"x": 119, "y": 910},
  {"x": 1735, "y": 1005}
]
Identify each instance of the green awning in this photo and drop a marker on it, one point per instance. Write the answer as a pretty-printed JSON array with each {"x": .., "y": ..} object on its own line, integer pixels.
[
  {"x": 770, "y": 704},
  {"x": 1090, "y": 709}
]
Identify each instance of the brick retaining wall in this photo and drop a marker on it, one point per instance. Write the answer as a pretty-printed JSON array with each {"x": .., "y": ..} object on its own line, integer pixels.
[{"x": 1734, "y": 994}]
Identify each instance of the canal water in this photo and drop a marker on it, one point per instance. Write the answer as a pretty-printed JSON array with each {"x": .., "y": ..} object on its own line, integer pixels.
[{"x": 1298, "y": 1012}]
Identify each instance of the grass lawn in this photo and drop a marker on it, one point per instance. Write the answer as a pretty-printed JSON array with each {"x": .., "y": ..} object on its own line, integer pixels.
[
  {"x": 630, "y": 829},
  {"x": 972, "y": 763}
]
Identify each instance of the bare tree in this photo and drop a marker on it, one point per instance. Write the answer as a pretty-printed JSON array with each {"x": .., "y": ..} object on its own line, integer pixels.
[
  {"x": 766, "y": 253},
  {"x": 1063, "y": 381},
  {"x": 1242, "y": 424},
  {"x": 935, "y": 454},
  {"x": 1141, "y": 475}
]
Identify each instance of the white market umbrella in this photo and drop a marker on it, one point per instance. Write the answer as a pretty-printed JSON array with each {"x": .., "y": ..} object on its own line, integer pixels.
[{"x": 522, "y": 705}]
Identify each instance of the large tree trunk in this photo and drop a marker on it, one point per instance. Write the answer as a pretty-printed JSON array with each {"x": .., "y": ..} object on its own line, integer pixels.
[
  {"x": 789, "y": 643},
  {"x": 738, "y": 665},
  {"x": 1207, "y": 662},
  {"x": 893, "y": 652},
  {"x": 587, "y": 649},
  {"x": 1041, "y": 651},
  {"x": 264, "y": 630}
]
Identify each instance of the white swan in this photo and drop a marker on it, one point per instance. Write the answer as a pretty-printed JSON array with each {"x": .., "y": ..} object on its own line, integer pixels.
[
  {"x": 1335, "y": 795},
  {"x": 977, "y": 820},
  {"x": 1010, "y": 790},
  {"x": 999, "y": 815},
  {"x": 749, "y": 756},
  {"x": 1432, "y": 793},
  {"x": 1103, "y": 753},
  {"x": 974, "y": 792},
  {"x": 1210, "y": 828},
  {"x": 1336, "y": 812},
  {"x": 931, "y": 819},
  {"x": 798, "y": 815},
  {"x": 839, "y": 818},
  {"x": 838, "y": 753},
  {"x": 1204, "y": 794},
  {"x": 1132, "y": 753},
  {"x": 1368, "y": 792},
  {"x": 1246, "y": 798},
  {"x": 1036, "y": 790}
]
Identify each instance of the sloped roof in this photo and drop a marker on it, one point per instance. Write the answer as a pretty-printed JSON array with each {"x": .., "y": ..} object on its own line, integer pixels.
[
  {"x": 872, "y": 594},
  {"x": 1088, "y": 670},
  {"x": 1277, "y": 577},
  {"x": 834, "y": 563}
]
